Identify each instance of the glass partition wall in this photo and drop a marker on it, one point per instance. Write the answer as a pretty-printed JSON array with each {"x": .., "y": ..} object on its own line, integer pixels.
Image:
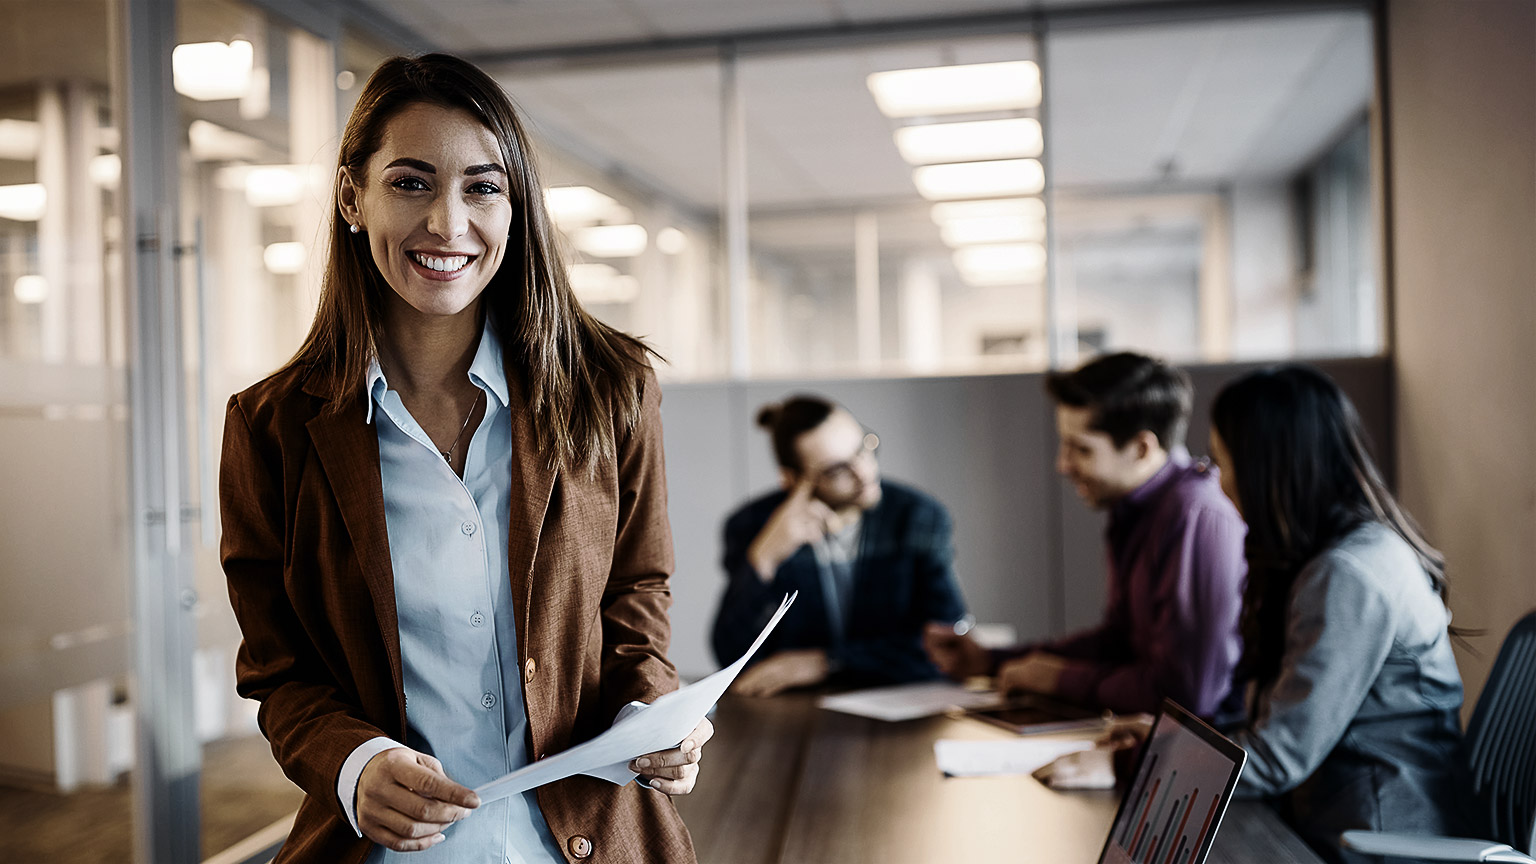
[{"x": 919, "y": 204}]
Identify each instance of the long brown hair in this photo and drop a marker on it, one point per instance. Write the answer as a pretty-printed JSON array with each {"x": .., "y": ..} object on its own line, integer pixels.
[{"x": 578, "y": 374}]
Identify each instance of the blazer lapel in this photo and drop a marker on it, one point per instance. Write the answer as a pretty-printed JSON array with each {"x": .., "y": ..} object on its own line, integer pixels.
[
  {"x": 533, "y": 482},
  {"x": 348, "y": 449}
]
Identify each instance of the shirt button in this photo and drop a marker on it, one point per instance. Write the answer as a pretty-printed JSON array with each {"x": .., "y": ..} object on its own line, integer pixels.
[
  {"x": 468, "y": 528},
  {"x": 476, "y": 620},
  {"x": 488, "y": 700},
  {"x": 529, "y": 668},
  {"x": 581, "y": 847}
]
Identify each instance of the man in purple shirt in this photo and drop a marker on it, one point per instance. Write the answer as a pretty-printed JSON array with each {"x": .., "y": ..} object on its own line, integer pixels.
[{"x": 1175, "y": 547}]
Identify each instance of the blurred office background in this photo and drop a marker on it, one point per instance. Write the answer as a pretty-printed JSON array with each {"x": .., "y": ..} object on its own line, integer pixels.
[{"x": 913, "y": 207}]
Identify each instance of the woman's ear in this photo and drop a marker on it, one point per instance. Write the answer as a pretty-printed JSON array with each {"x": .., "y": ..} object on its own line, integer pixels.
[
  {"x": 348, "y": 198},
  {"x": 788, "y": 479}
]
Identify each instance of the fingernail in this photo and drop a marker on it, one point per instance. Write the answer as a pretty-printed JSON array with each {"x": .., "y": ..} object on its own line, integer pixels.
[
  {"x": 437, "y": 838},
  {"x": 474, "y": 801},
  {"x": 643, "y": 763}
]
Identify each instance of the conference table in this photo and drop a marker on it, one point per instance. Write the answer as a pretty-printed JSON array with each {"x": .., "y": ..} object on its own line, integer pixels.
[{"x": 786, "y": 782}]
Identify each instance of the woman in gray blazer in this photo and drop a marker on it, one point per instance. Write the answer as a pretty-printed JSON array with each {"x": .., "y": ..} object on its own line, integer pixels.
[{"x": 1353, "y": 691}]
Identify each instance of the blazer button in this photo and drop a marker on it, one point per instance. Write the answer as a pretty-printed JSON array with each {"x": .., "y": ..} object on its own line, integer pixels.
[
  {"x": 529, "y": 668},
  {"x": 580, "y": 846}
]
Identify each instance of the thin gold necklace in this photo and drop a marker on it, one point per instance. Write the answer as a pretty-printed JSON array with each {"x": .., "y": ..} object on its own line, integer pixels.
[{"x": 448, "y": 454}]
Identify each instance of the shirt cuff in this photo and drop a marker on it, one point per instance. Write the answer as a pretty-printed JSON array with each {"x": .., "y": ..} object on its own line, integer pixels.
[
  {"x": 629, "y": 711},
  {"x": 352, "y": 771}
]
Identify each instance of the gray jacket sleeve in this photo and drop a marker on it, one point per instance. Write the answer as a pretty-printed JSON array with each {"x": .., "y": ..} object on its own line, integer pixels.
[{"x": 1341, "y": 628}]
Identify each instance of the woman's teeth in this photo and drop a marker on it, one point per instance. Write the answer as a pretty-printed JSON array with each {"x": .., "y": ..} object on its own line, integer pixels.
[{"x": 441, "y": 265}]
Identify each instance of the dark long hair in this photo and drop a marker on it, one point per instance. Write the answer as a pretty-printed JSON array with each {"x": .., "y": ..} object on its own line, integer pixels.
[
  {"x": 578, "y": 373},
  {"x": 1305, "y": 478}
]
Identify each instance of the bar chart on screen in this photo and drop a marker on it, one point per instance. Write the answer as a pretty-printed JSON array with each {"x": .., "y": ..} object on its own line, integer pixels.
[{"x": 1175, "y": 802}]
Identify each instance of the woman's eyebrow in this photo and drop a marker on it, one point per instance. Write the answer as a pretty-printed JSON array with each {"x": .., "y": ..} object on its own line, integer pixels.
[
  {"x": 487, "y": 168},
  {"x": 424, "y": 167}
]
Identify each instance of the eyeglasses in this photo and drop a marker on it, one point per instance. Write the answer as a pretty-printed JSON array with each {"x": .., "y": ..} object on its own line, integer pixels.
[{"x": 842, "y": 472}]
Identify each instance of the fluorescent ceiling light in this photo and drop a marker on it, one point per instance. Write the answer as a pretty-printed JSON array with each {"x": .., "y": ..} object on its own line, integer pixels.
[
  {"x": 969, "y": 141},
  {"x": 980, "y": 179},
  {"x": 610, "y": 241},
  {"x": 1002, "y": 264},
  {"x": 601, "y": 283},
  {"x": 1019, "y": 208},
  {"x": 273, "y": 185},
  {"x": 671, "y": 241},
  {"x": 25, "y": 202},
  {"x": 573, "y": 206},
  {"x": 956, "y": 89},
  {"x": 209, "y": 71},
  {"x": 30, "y": 289},
  {"x": 106, "y": 170},
  {"x": 284, "y": 259},
  {"x": 19, "y": 139},
  {"x": 211, "y": 142},
  {"x": 990, "y": 229}
]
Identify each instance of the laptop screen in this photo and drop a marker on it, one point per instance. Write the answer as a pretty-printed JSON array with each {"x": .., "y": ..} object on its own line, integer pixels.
[{"x": 1183, "y": 781}]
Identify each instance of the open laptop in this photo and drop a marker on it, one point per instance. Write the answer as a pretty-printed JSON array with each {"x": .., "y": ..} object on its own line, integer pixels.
[{"x": 1183, "y": 782}]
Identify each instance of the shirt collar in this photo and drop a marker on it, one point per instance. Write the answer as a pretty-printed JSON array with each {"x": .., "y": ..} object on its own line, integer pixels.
[
  {"x": 485, "y": 370},
  {"x": 1178, "y": 460}
]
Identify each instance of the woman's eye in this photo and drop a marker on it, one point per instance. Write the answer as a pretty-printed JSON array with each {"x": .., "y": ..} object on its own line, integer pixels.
[
  {"x": 484, "y": 188},
  {"x": 413, "y": 184}
]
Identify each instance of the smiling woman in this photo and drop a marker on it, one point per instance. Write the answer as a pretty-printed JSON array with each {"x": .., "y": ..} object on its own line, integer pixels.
[{"x": 445, "y": 529}]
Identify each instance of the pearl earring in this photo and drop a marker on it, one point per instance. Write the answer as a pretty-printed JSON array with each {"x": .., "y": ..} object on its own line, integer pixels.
[{"x": 355, "y": 229}]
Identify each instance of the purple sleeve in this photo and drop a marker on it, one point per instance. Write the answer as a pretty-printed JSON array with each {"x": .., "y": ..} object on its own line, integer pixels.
[{"x": 1194, "y": 644}]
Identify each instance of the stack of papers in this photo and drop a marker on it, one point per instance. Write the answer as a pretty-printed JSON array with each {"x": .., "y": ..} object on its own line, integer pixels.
[{"x": 910, "y": 701}]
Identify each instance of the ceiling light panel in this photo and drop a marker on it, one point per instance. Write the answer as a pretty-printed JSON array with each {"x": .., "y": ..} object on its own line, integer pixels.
[
  {"x": 610, "y": 241},
  {"x": 1020, "y": 208},
  {"x": 971, "y": 140},
  {"x": 573, "y": 206},
  {"x": 25, "y": 202},
  {"x": 991, "y": 229},
  {"x": 1002, "y": 264},
  {"x": 996, "y": 178},
  {"x": 968, "y": 89},
  {"x": 210, "y": 71}
]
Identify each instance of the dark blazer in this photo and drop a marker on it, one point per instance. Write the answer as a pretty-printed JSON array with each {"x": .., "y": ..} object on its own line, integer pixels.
[
  {"x": 903, "y": 578},
  {"x": 306, "y": 554}
]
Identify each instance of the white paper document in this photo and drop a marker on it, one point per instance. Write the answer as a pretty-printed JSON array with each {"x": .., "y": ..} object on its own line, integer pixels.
[
  {"x": 1008, "y": 756},
  {"x": 662, "y": 725},
  {"x": 910, "y": 701}
]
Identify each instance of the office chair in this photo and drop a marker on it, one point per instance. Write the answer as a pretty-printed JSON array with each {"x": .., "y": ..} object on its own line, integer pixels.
[{"x": 1501, "y": 756}]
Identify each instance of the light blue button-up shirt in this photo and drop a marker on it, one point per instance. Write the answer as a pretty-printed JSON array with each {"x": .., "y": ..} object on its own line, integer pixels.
[{"x": 458, "y": 634}]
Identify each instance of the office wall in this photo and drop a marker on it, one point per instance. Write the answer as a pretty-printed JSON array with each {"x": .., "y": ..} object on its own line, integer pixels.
[
  {"x": 1462, "y": 103},
  {"x": 1028, "y": 553}
]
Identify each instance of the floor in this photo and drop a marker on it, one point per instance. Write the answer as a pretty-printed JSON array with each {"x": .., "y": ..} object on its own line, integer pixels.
[{"x": 243, "y": 791}]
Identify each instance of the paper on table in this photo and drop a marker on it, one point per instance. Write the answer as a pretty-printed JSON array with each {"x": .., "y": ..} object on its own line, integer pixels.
[
  {"x": 1009, "y": 756},
  {"x": 662, "y": 725},
  {"x": 910, "y": 701}
]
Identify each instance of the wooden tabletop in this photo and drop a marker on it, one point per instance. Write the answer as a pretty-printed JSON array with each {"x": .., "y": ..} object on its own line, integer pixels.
[{"x": 784, "y": 782}]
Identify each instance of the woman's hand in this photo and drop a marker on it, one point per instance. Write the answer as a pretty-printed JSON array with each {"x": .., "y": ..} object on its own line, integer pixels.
[
  {"x": 675, "y": 771},
  {"x": 405, "y": 800}
]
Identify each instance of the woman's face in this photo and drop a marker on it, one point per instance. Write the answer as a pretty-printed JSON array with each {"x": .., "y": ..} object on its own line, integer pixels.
[
  {"x": 434, "y": 202},
  {"x": 1223, "y": 461}
]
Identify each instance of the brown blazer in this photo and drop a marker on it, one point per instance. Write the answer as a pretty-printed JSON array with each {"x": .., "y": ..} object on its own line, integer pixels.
[{"x": 306, "y": 554}]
